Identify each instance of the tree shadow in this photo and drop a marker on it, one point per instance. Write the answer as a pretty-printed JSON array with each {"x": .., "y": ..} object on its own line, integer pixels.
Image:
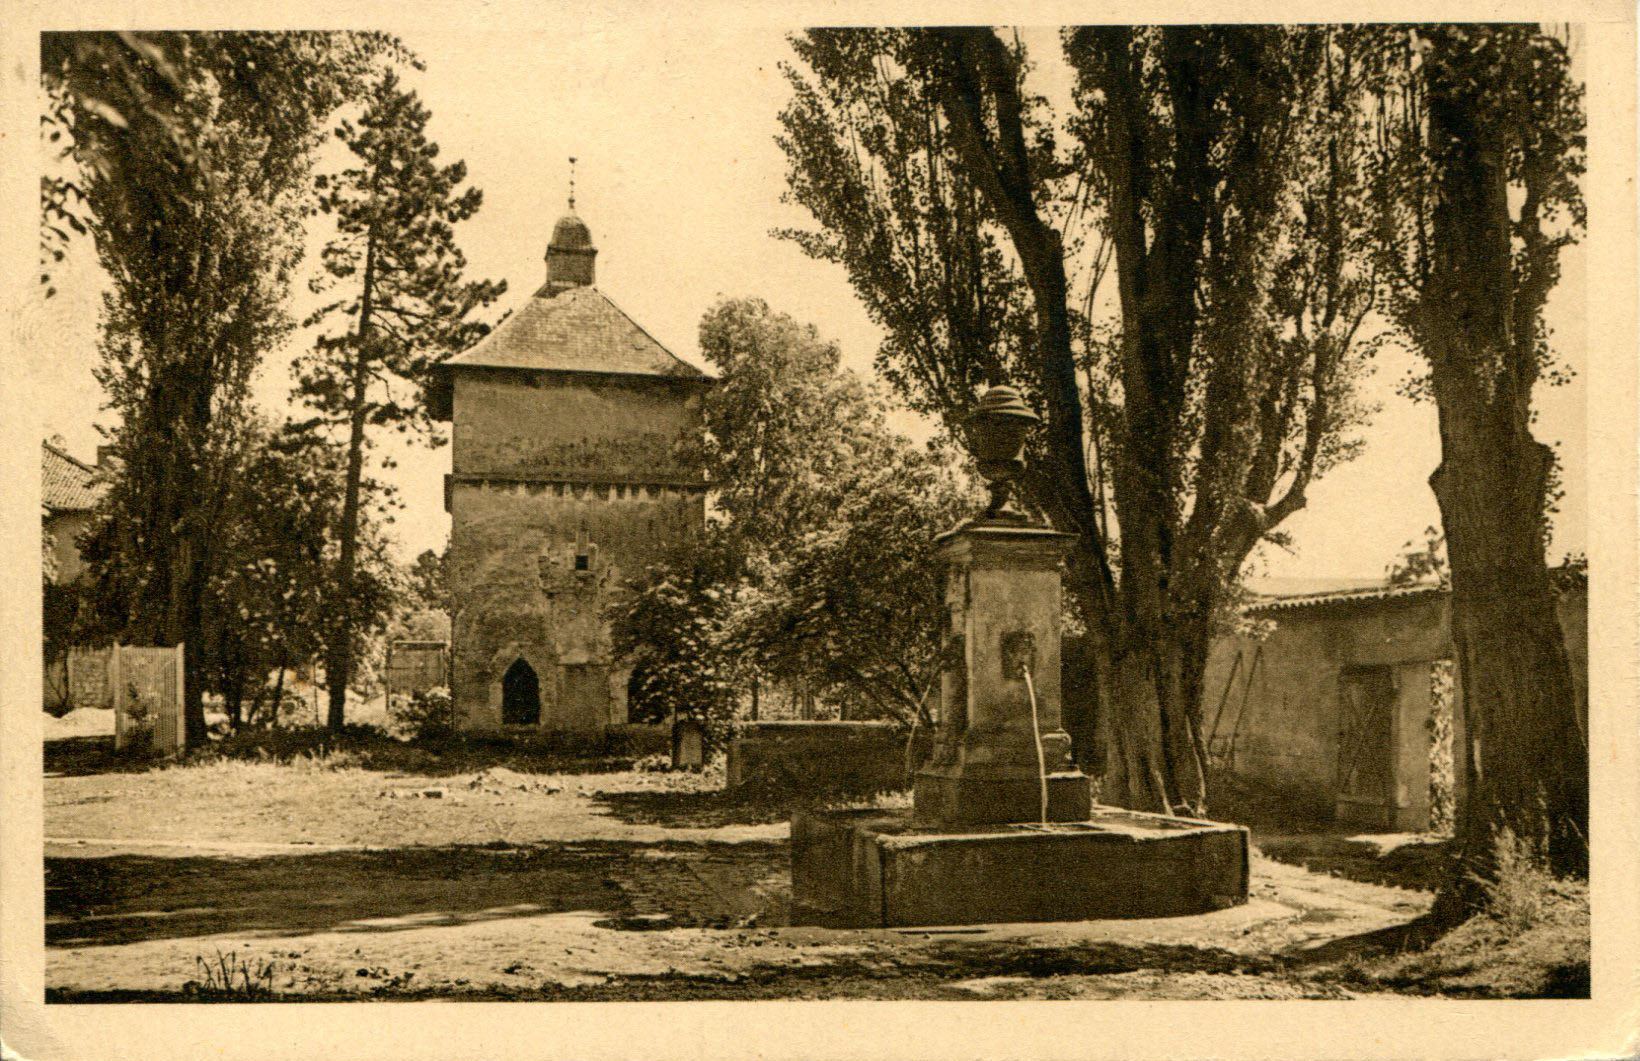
[
  {"x": 82, "y": 756},
  {"x": 1416, "y": 934},
  {"x": 367, "y": 748},
  {"x": 100, "y": 901},
  {"x": 696, "y": 810},
  {"x": 1421, "y": 864}
]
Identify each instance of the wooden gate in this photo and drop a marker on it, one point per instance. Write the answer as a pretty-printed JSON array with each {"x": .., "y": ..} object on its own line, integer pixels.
[
  {"x": 146, "y": 684},
  {"x": 1366, "y": 740},
  {"x": 417, "y": 666}
]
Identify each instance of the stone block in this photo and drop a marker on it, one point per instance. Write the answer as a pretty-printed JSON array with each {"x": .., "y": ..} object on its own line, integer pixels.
[
  {"x": 979, "y": 800},
  {"x": 870, "y": 868}
]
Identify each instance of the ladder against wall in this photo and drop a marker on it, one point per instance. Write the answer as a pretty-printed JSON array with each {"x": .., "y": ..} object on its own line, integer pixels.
[{"x": 146, "y": 685}]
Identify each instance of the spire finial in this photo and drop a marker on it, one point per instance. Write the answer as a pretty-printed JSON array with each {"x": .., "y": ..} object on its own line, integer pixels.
[{"x": 572, "y": 183}]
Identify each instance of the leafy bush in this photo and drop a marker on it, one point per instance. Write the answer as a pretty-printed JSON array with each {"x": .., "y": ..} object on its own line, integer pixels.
[
  {"x": 426, "y": 715},
  {"x": 140, "y": 719},
  {"x": 673, "y": 624},
  {"x": 288, "y": 745},
  {"x": 1523, "y": 889}
]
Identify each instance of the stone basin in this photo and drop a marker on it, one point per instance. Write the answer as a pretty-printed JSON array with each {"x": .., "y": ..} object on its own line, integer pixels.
[{"x": 876, "y": 868}]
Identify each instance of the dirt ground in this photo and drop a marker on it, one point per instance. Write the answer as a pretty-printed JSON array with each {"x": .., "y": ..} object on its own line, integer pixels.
[{"x": 324, "y": 880}]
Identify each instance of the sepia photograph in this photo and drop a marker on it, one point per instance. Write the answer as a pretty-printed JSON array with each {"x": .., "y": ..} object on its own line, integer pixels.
[{"x": 635, "y": 508}]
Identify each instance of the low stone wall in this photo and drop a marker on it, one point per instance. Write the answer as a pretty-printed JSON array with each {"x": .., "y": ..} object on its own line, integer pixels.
[{"x": 848, "y": 757}]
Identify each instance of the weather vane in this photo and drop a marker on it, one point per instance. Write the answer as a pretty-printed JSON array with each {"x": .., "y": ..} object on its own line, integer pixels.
[{"x": 572, "y": 183}]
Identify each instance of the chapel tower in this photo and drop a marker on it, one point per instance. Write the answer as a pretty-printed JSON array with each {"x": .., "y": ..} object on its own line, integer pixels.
[{"x": 575, "y": 461}]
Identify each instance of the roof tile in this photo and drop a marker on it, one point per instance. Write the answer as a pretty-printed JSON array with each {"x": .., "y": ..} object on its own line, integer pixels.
[{"x": 66, "y": 484}]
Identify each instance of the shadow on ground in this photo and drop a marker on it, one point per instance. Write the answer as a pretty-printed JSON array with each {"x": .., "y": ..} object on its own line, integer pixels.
[
  {"x": 118, "y": 899},
  {"x": 948, "y": 971},
  {"x": 364, "y": 747},
  {"x": 80, "y": 756},
  {"x": 1419, "y": 863},
  {"x": 696, "y": 810}
]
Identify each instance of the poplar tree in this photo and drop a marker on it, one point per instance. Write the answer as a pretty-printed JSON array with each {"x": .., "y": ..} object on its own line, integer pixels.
[
  {"x": 398, "y": 302},
  {"x": 1475, "y": 194},
  {"x": 190, "y": 168},
  {"x": 1213, "y": 167}
]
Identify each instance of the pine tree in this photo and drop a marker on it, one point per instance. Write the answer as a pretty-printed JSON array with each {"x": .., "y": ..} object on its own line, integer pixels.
[{"x": 399, "y": 302}]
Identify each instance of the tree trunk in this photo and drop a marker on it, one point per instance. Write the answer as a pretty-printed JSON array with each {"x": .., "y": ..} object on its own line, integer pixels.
[
  {"x": 233, "y": 703},
  {"x": 1525, "y": 759},
  {"x": 339, "y": 653},
  {"x": 278, "y": 696}
]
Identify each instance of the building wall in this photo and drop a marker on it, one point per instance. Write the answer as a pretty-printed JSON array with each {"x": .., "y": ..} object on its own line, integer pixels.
[
  {"x": 65, "y": 528},
  {"x": 544, "y": 474},
  {"x": 575, "y": 427},
  {"x": 1273, "y": 705}
]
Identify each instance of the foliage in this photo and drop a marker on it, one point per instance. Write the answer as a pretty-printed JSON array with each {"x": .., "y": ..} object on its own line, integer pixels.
[
  {"x": 855, "y": 610},
  {"x": 429, "y": 580},
  {"x": 1442, "y": 761},
  {"x": 190, "y": 156},
  {"x": 1212, "y": 167},
  {"x": 1422, "y": 563},
  {"x": 1520, "y": 887},
  {"x": 425, "y": 715},
  {"x": 818, "y": 570},
  {"x": 398, "y": 303},
  {"x": 672, "y": 626},
  {"x": 270, "y": 607},
  {"x": 230, "y": 977},
  {"x": 141, "y": 716}
]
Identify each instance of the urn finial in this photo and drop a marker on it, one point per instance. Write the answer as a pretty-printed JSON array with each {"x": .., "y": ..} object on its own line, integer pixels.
[{"x": 997, "y": 428}]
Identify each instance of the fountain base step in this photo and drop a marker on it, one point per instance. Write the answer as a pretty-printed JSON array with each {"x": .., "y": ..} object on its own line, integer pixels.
[{"x": 875, "y": 868}]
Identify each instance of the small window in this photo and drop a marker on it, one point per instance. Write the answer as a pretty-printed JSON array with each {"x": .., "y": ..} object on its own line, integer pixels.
[{"x": 583, "y": 562}]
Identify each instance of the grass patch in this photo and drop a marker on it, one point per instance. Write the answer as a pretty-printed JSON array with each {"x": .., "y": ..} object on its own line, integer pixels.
[
  {"x": 1530, "y": 941},
  {"x": 366, "y": 747}
]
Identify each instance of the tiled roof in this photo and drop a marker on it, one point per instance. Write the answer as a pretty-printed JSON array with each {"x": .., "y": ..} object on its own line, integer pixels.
[
  {"x": 66, "y": 485},
  {"x": 1345, "y": 592},
  {"x": 579, "y": 330}
]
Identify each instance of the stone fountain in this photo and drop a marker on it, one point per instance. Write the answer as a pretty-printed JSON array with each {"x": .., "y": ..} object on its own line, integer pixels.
[{"x": 1003, "y": 826}]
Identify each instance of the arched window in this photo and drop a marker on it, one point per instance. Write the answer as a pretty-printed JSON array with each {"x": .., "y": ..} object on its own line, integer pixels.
[{"x": 520, "y": 695}]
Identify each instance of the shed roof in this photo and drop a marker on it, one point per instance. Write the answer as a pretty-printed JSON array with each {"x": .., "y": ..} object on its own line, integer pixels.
[{"x": 66, "y": 484}]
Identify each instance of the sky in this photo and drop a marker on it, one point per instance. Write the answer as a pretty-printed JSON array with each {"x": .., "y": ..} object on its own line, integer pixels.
[{"x": 680, "y": 181}]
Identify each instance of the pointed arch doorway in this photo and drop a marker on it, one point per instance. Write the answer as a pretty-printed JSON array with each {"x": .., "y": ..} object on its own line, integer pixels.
[{"x": 520, "y": 695}]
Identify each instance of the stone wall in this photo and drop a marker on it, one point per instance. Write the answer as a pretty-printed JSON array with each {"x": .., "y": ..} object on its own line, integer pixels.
[
  {"x": 575, "y": 427},
  {"x": 562, "y": 486},
  {"x": 818, "y": 757},
  {"x": 65, "y": 529},
  {"x": 1273, "y": 707},
  {"x": 532, "y": 566}
]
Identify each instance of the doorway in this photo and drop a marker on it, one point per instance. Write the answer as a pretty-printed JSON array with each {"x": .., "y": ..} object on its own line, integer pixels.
[{"x": 520, "y": 695}]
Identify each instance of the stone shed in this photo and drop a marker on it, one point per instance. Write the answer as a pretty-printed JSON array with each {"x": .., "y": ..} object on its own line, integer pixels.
[
  {"x": 1335, "y": 704},
  {"x": 575, "y": 461}
]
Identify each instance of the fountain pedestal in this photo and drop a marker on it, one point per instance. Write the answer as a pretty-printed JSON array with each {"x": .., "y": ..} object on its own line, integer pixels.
[
  {"x": 980, "y": 843},
  {"x": 1002, "y": 595}
]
